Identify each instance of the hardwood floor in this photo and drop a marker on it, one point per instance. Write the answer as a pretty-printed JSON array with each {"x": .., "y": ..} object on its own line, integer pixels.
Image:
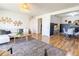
[{"x": 69, "y": 45}]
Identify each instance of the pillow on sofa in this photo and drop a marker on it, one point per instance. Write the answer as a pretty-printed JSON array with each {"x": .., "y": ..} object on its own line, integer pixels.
[{"x": 2, "y": 32}]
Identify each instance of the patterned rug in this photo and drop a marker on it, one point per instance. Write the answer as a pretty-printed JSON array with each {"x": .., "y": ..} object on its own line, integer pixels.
[{"x": 32, "y": 48}]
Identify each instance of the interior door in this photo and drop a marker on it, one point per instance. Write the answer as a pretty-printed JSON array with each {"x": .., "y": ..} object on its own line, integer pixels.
[{"x": 40, "y": 25}]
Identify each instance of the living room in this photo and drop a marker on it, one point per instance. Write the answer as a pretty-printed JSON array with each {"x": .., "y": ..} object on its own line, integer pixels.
[{"x": 20, "y": 27}]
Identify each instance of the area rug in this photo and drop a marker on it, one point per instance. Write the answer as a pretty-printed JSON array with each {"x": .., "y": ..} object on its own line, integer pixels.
[{"x": 32, "y": 48}]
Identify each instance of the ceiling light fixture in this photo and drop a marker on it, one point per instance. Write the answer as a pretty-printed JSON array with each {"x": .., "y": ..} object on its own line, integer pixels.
[{"x": 24, "y": 7}]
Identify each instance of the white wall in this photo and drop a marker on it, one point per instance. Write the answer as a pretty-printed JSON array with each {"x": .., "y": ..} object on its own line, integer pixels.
[
  {"x": 72, "y": 19},
  {"x": 34, "y": 25},
  {"x": 45, "y": 25},
  {"x": 55, "y": 19},
  {"x": 15, "y": 16}
]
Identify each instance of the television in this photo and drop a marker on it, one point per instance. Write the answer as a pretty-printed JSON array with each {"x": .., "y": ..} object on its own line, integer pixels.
[{"x": 20, "y": 31}]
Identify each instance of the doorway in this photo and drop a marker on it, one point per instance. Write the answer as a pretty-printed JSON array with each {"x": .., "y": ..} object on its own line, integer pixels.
[
  {"x": 54, "y": 25},
  {"x": 40, "y": 25}
]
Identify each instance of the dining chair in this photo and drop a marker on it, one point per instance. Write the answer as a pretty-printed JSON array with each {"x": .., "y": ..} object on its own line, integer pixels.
[
  {"x": 65, "y": 33},
  {"x": 76, "y": 35},
  {"x": 69, "y": 32}
]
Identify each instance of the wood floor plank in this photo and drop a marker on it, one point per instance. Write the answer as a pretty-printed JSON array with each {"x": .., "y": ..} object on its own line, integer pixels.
[{"x": 70, "y": 45}]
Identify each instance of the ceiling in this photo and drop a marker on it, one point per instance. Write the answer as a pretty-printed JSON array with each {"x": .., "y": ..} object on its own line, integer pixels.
[
  {"x": 37, "y": 8},
  {"x": 69, "y": 14}
]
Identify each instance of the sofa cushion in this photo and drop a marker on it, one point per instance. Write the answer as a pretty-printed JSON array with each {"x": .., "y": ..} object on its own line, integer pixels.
[{"x": 2, "y": 32}]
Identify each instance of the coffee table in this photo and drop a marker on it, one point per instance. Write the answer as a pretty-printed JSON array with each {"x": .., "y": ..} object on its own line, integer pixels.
[
  {"x": 14, "y": 36},
  {"x": 18, "y": 36}
]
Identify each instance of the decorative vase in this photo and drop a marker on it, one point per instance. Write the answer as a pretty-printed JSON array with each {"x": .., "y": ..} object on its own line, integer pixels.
[{"x": 29, "y": 31}]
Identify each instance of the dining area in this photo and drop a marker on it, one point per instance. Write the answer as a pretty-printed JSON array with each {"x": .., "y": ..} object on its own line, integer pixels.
[{"x": 71, "y": 31}]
